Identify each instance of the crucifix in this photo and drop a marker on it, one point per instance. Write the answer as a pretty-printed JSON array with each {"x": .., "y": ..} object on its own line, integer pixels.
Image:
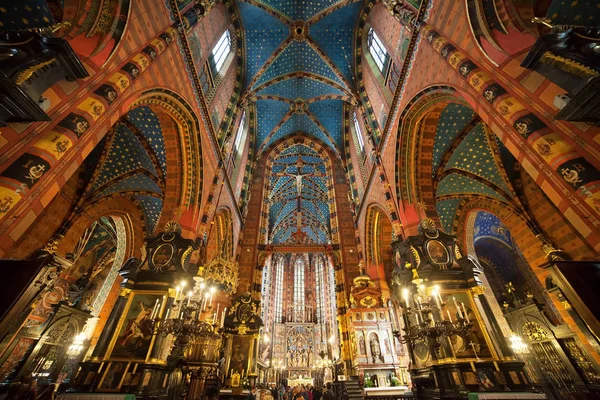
[
  {"x": 299, "y": 235},
  {"x": 474, "y": 351}
]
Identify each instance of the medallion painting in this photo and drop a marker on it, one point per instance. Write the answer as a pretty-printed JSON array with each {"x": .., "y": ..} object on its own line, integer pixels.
[{"x": 135, "y": 335}]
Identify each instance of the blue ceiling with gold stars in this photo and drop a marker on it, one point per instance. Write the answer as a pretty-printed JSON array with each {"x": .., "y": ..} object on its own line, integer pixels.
[
  {"x": 133, "y": 164},
  {"x": 466, "y": 164},
  {"x": 488, "y": 225},
  {"x": 494, "y": 246},
  {"x": 299, "y": 198},
  {"x": 299, "y": 57}
]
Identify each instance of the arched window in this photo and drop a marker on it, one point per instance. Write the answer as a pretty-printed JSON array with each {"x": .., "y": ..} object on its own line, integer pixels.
[
  {"x": 320, "y": 288},
  {"x": 214, "y": 68},
  {"x": 358, "y": 133},
  {"x": 278, "y": 308},
  {"x": 378, "y": 52},
  {"x": 238, "y": 138},
  {"x": 299, "y": 287},
  {"x": 220, "y": 52}
]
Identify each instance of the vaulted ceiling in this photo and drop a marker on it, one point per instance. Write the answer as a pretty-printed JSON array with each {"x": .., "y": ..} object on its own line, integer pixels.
[
  {"x": 131, "y": 163},
  {"x": 299, "y": 74},
  {"x": 299, "y": 198},
  {"x": 466, "y": 163}
]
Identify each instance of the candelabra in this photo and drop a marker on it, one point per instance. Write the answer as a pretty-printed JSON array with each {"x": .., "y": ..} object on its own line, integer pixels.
[
  {"x": 187, "y": 323},
  {"x": 427, "y": 307}
]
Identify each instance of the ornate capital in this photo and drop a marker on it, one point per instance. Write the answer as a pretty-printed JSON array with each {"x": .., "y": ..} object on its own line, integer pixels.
[
  {"x": 550, "y": 251},
  {"x": 52, "y": 246},
  {"x": 400, "y": 11}
]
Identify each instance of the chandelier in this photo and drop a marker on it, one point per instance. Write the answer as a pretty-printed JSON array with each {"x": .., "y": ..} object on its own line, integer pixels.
[
  {"x": 433, "y": 319},
  {"x": 223, "y": 273}
]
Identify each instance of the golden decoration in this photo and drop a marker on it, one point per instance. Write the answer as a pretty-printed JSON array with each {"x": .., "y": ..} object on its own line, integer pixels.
[
  {"x": 186, "y": 254},
  {"x": 533, "y": 331},
  {"x": 172, "y": 227},
  {"x": 416, "y": 256},
  {"x": 27, "y": 73},
  {"x": 457, "y": 253},
  {"x": 52, "y": 246},
  {"x": 223, "y": 273},
  {"x": 478, "y": 290},
  {"x": 568, "y": 65},
  {"x": 368, "y": 302}
]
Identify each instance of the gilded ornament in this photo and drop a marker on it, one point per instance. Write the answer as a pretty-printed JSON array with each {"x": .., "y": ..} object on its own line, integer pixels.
[
  {"x": 533, "y": 331},
  {"x": 24, "y": 75},
  {"x": 52, "y": 246},
  {"x": 478, "y": 290},
  {"x": 172, "y": 227},
  {"x": 457, "y": 253},
  {"x": 416, "y": 256},
  {"x": 224, "y": 273}
]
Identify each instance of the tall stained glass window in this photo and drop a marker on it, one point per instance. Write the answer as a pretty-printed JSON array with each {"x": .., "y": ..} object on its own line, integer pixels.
[{"x": 299, "y": 288}]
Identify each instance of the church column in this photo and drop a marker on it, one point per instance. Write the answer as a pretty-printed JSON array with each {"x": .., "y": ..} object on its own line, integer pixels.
[{"x": 111, "y": 325}]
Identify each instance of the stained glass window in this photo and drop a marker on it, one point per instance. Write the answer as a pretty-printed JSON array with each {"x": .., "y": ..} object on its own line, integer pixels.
[
  {"x": 299, "y": 305},
  {"x": 278, "y": 302}
]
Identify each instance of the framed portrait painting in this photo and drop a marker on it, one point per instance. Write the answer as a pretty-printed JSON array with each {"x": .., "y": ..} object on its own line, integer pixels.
[{"x": 135, "y": 333}]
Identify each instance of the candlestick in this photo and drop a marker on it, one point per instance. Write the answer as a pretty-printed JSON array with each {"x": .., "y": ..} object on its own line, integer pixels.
[
  {"x": 177, "y": 292},
  {"x": 449, "y": 316},
  {"x": 405, "y": 295},
  {"x": 153, "y": 314},
  {"x": 466, "y": 313},
  {"x": 223, "y": 317},
  {"x": 217, "y": 313},
  {"x": 205, "y": 300},
  {"x": 437, "y": 300},
  {"x": 460, "y": 314}
]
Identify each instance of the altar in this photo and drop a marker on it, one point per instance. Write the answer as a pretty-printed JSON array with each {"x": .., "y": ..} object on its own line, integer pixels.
[{"x": 300, "y": 381}]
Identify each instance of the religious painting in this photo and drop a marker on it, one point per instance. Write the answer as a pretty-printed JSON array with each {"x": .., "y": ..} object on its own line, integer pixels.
[
  {"x": 113, "y": 376},
  {"x": 470, "y": 378},
  {"x": 438, "y": 252},
  {"x": 240, "y": 351},
  {"x": 474, "y": 345},
  {"x": 514, "y": 377},
  {"x": 9, "y": 367},
  {"x": 398, "y": 259},
  {"x": 135, "y": 334},
  {"x": 162, "y": 256},
  {"x": 487, "y": 380}
]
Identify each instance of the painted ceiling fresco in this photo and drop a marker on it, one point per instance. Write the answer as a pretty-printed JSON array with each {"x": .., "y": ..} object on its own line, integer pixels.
[
  {"x": 299, "y": 198},
  {"x": 132, "y": 164},
  {"x": 465, "y": 163},
  {"x": 299, "y": 55}
]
